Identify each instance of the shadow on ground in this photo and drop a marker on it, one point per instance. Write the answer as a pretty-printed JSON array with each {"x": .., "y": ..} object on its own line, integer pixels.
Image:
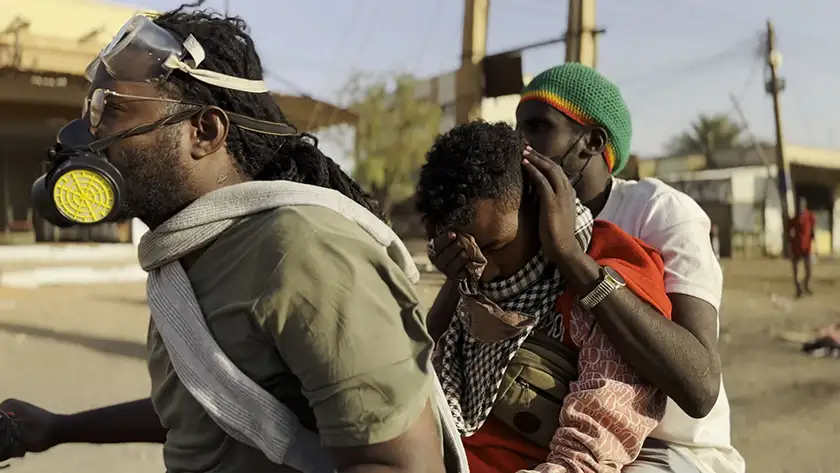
[
  {"x": 125, "y": 300},
  {"x": 103, "y": 345}
]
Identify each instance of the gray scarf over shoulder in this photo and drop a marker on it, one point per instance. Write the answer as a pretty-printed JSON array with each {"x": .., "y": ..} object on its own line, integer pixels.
[{"x": 242, "y": 408}]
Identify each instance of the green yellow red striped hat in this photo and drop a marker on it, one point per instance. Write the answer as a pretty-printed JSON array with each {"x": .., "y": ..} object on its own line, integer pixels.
[{"x": 587, "y": 97}]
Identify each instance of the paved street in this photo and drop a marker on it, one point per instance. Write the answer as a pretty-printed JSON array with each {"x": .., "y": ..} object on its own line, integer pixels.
[{"x": 71, "y": 348}]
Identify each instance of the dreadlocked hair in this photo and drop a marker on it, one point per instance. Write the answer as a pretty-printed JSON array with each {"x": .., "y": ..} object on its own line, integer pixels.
[{"x": 230, "y": 50}]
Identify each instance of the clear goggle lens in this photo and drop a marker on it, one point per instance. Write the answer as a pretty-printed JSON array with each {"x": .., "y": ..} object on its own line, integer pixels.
[{"x": 137, "y": 53}]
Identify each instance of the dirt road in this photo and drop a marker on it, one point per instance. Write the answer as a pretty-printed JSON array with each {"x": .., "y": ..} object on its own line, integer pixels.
[{"x": 72, "y": 348}]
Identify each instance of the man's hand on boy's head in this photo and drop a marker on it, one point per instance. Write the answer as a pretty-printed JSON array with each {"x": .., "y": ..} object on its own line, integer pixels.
[{"x": 456, "y": 255}]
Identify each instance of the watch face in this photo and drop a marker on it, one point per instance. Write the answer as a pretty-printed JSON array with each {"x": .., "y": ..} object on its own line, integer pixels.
[{"x": 613, "y": 274}]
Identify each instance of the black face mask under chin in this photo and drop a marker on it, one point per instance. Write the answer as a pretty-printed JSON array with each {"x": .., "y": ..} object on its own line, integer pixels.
[
  {"x": 82, "y": 187},
  {"x": 574, "y": 177}
]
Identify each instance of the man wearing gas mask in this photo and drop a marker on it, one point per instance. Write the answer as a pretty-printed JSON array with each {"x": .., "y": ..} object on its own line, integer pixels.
[
  {"x": 578, "y": 118},
  {"x": 285, "y": 332}
]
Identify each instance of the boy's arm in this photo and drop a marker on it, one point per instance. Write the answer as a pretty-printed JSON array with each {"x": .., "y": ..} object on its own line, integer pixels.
[{"x": 609, "y": 411}]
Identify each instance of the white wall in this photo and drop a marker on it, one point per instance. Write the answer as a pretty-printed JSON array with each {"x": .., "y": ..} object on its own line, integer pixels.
[
  {"x": 773, "y": 226},
  {"x": 138, "y": 229},
  {"x": 835, "y": 224},
  {"x": 443, "y": 90},
  {"x": 749, "y": 185},
  {"x": 749, "y": 188},
  {"x": 500, "y": 109}
]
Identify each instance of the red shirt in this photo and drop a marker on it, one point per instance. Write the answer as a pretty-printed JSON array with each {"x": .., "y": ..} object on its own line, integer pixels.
[{"x": 802, "y": 233}]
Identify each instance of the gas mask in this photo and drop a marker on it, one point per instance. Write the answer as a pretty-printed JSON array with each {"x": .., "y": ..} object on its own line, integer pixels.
[{"x": 80, "y": 186}]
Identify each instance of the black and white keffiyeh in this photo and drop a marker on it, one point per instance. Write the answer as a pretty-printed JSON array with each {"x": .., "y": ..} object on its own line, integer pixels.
[{"x": 471, "y": 371}]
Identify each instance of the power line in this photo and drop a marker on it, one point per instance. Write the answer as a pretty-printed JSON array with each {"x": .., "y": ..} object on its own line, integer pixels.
[
  {"x": 372, "y": 19},
  {"x": 737, "y": 50},
  {"x": 353, "y": 26},
  {"x": 803, "y": 117},
  {"x": 424, "y": 44},
  {"x": 738, "y": 98},
  {"x": 295, "y": 88}
]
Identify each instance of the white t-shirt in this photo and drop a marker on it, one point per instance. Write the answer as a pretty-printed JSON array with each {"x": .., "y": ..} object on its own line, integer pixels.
[{"x": 673, "y": 223}]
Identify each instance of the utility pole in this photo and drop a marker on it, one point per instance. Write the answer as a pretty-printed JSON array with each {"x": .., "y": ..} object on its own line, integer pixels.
[
  {"x": 469, "y": 86},
  {"x": 774, "y": 86},
  {"x": 581, "y": 33},
  {"x": 581, "y": 40}
]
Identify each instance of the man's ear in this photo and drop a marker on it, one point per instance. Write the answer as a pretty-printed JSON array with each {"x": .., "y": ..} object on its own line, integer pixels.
[
  {"x": 210, "y": 131},
  {"x": 595, "y": 141}
]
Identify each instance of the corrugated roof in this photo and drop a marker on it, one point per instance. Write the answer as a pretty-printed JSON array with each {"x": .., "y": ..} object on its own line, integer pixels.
[
  {"x": 68, "y": 19},
  {"x": 62, "y": 36}
]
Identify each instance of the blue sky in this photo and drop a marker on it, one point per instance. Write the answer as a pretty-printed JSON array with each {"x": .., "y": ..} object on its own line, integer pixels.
[{"x": 673, "y": 59}]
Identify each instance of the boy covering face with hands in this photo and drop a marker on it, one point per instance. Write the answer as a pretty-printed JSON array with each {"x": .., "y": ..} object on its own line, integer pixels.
[{"x": 501, "y": 220}]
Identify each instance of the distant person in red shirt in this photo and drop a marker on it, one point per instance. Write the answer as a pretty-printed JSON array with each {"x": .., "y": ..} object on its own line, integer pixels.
[{"x": 801, "y": 239}]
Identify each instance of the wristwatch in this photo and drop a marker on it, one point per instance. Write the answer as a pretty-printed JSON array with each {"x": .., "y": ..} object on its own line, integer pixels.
[{"x": 610, "y": 281}]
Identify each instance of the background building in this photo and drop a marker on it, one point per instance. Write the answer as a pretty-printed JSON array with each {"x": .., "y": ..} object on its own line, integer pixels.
[
  {"x": 443, "y": 91},
  {"x": 740, "y": 194},
  {"x": 738, "y": 190},
  {"x": 45, "y": 46}
]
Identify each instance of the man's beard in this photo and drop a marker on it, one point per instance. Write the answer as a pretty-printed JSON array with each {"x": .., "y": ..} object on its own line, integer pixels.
[{"x": 156, "y": 185}]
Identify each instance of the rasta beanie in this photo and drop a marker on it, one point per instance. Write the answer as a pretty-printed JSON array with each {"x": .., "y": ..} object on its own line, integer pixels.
[{"x": 587, "y": 97}]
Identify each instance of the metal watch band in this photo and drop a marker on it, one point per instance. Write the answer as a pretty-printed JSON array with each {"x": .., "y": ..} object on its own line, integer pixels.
[{"x": 601, "y": 292}]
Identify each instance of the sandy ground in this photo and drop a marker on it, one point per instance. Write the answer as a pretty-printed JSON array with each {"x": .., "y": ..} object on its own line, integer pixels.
[{"x": 72, "y": 348}]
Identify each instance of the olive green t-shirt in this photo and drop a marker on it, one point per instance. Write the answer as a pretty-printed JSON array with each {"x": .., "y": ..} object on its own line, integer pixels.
[{"x": 310, "y": 307}]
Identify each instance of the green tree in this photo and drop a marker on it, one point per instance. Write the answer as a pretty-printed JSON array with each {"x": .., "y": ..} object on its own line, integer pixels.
[
  {"x": 393, "y": 133},
  {"x": 708, "y": 135}
]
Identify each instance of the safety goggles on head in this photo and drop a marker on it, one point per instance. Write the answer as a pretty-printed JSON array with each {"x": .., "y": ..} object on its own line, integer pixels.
[{"x": 144, "y": 52}]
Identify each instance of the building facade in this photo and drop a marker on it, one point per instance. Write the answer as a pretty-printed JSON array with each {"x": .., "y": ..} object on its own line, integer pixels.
[
  {"x": 740, "y": 193},
  {"x": 442, "y": 90},
  {"x": 45, "y": 47}
]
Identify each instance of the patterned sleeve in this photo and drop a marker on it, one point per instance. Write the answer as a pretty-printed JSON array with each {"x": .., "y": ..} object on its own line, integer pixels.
[{"x": 609, "y": 410}]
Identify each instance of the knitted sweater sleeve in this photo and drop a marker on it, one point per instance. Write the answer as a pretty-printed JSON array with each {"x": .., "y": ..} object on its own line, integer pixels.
[{"x": 609, "y": 410}]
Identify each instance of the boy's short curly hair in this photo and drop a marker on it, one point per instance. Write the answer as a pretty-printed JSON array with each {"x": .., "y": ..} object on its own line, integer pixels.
[{"x": 479, "y": 160}]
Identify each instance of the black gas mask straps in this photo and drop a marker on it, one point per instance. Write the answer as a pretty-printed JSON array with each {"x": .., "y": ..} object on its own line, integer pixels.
[{"x": 83, "y": 187}]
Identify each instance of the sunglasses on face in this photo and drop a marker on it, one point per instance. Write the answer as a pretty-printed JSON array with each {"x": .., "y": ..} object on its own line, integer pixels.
[{"x": 94, "y": 106}]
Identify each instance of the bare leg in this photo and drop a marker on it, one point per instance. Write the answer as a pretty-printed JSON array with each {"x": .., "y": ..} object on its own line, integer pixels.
[
  {"x": 807, "y": 282},
  {"x": 795, "y": 261}
]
